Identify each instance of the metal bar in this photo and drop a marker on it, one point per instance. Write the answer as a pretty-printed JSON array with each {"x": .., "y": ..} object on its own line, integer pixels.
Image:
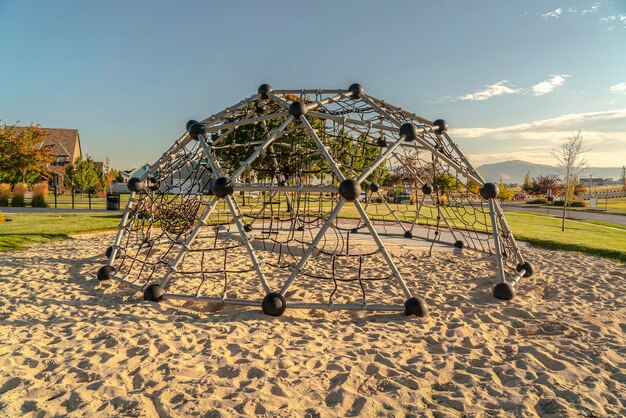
[
  {"x": 228, "y": 110},
  {"x": 127, "y": 283},
  {"x": 496, "y": 240},
  {"x": 192, "y": 236},
  {"x": 382, "y": 248},
  {"x": 509, "y": 233},
  {"x": 270, "y": 138},
  {"x": 467, "y": 162},
  {"x": 336, "y": 98},
  {"x": 120, "y": 230},
  {"x": 322, "y": 148},
  {"x": 320, "y": 234},
  {"x": 345, "y": 306},
  {"x": 214, "y": 299},
  {"x": 381, "y": 111},
  {"x": 310, "y": 91},
  {"x": 381, "y": 159},
  {"x": 249, "y": 121},
  {"x": 275, "y": 188},
  {"x": 341, "y": 119},
  {"x": 404, "y": 112}
]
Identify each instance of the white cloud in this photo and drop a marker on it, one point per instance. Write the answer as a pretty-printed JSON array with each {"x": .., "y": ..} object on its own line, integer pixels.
[
  {"x": 583, "y": 12},
  {"x": 493, "y": 90},
  {"x": 604, "y": 132},
  {"x": 550, "y": 84},
  {"x": 554, "y": 13},
  {"x": 619, "y": 88},
  {"x": 613, "y": 22}
]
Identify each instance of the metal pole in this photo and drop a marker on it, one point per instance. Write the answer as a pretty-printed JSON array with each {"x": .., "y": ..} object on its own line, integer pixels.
[{"x": 496, "y": 240}]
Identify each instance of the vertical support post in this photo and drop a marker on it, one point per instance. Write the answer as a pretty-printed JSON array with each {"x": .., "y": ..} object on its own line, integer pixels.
[
  {"x": 496, "y": 241},
  {"x": 121, "y": 228}
]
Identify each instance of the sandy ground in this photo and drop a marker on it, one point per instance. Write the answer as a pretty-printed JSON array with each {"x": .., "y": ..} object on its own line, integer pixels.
[{"x": 70, "y": 345}]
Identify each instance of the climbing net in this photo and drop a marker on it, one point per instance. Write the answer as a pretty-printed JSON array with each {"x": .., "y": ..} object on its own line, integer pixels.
[{"x": 303, "y": 186}]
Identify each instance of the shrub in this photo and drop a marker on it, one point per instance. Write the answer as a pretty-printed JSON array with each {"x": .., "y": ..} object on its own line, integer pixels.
[
  {"x": 558, "y": 203},
  {"x": 40, "y": 191},
  {"x": 539, "y": 201},
  {"x": 579, "y": 204},
  {"x": 2, "y": 218},
  {"x": 5, "y": 194},
  {"x": 18, "y": 195}
]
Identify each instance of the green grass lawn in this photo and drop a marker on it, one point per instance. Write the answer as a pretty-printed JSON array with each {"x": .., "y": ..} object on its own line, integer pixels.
[
  {"x": 598, "y": 238},
  {"x": 614, "y": 206},
  {"x": 26, "y": 229}
]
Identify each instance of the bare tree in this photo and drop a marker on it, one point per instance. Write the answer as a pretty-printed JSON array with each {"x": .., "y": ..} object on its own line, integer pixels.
[
  {"x": 623, "y": 178},
  {"x": 571, "y": 162}
]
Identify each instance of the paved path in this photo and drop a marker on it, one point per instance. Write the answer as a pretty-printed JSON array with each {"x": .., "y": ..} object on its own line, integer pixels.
[{"x": 572, "y": 214}]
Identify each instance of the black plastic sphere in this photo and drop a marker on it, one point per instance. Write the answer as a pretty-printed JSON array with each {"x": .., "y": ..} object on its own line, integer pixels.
[
  {"x": 106, "y": 273},
  {"x": 195, "y": 130},
  {"x": 427, "y": 189},
  {"x": 109, "y": 251},
  {"x": 153, "y": 184},
  {"x": 489, "y": 191},
  {"x": 442, "y": 125},
  {"x": 273, "y": 304},
  {"x": 136, "y": 185},
  {"x": 247, "y": 227},
  {"x": 409, "y": 131},
  {"x": 264, "y": 89},
  {"x": 374, "y": 187},
  {"x": 153, "y": 293},
  {"x": 350, "y": 190},
  {"x": 503, "y": 291},
  {"x": 459, "y": 244},
  {"x": 530, "y": 270},
  {"x": 296, "y": 109},
  {"x": 189, "y": 123},
  {"x": 381, "y": 142},
  {"x": 415, "y": 306},
  {"x": 408, "y": 234},
  {"x": 356, "y": 90},
  {"x": 222, "y": 187}
]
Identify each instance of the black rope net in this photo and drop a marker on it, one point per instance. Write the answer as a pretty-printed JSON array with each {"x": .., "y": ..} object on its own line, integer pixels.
[{"x": 422, "y": 190}]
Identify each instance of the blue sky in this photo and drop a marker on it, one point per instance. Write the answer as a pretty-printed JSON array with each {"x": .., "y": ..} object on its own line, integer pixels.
[{"x": 512, "y": 78}]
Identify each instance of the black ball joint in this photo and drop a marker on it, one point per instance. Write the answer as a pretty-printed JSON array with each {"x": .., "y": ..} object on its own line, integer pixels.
[
  {"x": 489, "y": 191},
  {"x": 374, "y": 187},
  {"x": 153, "y": 293},
  {"x": 195, "y": 130},
  {"x": 222, "y": 187},
  {"x": 274, "y": 304},
  {"x": 356, "y": 90},
  {"x": 264, "y": 90},
  {"x": 297, "y": 109},
  {"x": 409, "y": 131},
  {"x": 415, "y": 306},
  {"x": 528, "y": 267},
  {"x": 427, "y": 189},
  {"x": 136, "y": 185},
  {"x": 350, "y": 190},
  {"x": 503, "y": 291},
  {"x": 106, "y": 273},
  {"x": 442, "y": 125}
]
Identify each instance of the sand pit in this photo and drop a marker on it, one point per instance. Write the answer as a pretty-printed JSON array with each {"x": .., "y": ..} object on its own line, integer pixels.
[{"x": 70, "y": 345}]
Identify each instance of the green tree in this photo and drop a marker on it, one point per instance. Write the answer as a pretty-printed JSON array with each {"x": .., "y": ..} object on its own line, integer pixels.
[
  {"x": 22, "y": 158},
  {"x": 82, "y": 175},
  {"x": 505, "y": 194},
  {"x": 528, "y": 183}
]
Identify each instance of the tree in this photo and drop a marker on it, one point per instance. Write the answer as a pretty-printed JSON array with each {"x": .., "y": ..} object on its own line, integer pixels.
[
  {"x": 22, "y": 158},
  {"x": 541, "y": 184},
  {"x": 82, "y": 175},
  {"x": 624, "y": 178},
  {"x": 571, "y": 162},
  {"x": 528, "y": 183},
  {"x": 505, "y": 194}
]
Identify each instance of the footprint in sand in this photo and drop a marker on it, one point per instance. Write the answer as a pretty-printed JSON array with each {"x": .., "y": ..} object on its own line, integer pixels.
[{"x": 544, "y": 359}]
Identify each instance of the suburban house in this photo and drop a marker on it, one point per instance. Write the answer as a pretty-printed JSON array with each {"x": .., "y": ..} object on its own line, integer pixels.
[
  {"x": 65, "y": 148},
  {"x": 135, "y": 172}
]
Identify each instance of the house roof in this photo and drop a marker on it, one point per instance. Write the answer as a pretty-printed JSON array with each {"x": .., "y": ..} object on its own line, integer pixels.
[{"x": 64, "y": 142}]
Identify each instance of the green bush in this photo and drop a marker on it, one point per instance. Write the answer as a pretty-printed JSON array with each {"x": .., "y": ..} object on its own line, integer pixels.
[
  {"x": 558, "y": 203},
  {"x": 579, "y": 204},
  {"x": 539, "y": 201}
]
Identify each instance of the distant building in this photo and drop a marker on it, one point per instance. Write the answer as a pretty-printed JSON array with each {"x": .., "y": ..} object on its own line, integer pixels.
[
  {"x": 135, "y": 172},
  {"x": 64, "y": 145}
]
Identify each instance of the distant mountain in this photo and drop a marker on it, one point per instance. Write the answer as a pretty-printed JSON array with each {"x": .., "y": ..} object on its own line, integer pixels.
[{"x": 515, "y": 171}]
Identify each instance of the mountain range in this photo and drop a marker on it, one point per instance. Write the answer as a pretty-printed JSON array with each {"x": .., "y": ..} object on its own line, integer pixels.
[{"x": 514, "y": 171}]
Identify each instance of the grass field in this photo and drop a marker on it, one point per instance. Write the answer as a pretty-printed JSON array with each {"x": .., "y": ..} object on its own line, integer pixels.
[
  {"x": 26, "y": 229},
  {"x": 614, "y": 206},
  {"x": 599, "y": 238}
]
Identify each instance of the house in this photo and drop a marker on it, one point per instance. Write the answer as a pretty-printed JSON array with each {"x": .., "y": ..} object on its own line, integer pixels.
[
  {"x": 135, "y": 172},
  {"x": 65, "y": 148}
]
